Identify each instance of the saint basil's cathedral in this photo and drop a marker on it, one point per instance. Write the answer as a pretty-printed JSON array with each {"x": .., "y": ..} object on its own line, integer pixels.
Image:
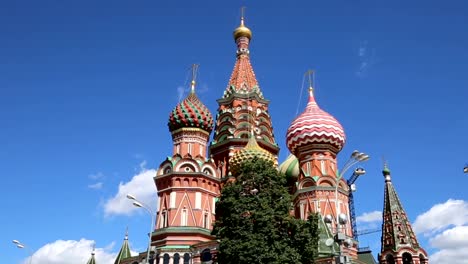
[{"x": 190, "y": 180}]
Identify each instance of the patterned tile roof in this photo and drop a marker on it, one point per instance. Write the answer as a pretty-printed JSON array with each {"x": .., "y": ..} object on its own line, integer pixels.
[
  {"x": 191, "y": 112},
  {"x": 315, "y": 126}
]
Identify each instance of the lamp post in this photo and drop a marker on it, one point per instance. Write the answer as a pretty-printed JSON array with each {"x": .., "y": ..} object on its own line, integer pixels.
[
  {"x": 340, "y": 218},
  {"x": 140, "y": 204},
  {"x": 21, "y": 246}
]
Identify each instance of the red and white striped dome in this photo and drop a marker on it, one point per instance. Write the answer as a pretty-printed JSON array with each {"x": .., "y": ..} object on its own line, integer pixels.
[{"x": 315, "y": 127}]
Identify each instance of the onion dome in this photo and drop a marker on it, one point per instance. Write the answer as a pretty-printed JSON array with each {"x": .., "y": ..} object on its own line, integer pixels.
[
  {"x": 315, "y": 127},
  {"x": 242, "y": 31},
  {"x": 191, "y": 113},
  {"x": 250, "y": 151},
  {"x": 290, "y": 167}
]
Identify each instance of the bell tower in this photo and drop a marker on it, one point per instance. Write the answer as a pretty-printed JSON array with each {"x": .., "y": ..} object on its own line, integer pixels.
[
  {"x": 241, "y": 107},
  {"x": 188, "y": 182}
]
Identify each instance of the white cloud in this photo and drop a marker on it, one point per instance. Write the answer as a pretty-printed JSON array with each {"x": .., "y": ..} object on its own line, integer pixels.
[
  {"x": 452, "y": 238},
  {"x": 446, "y": 226},
  {"x": 441, "y": 216},
  {"x": 141, "y": 186},
  {"x": 96, "y": 186},
  {"x": 96, "y": 176},
  {"x": 71, "y": 252},
  {"x": 375, "y": 216},
  {"x": 452, "y": 245},
  {"x": 366, "y": 58}
]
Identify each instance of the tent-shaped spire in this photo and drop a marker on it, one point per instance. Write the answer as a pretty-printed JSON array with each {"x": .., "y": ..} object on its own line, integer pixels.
[
  {"x": 243, "y": 80},
  {"x": 124, "y": 250},
  {"x": 398, "y": 237}
]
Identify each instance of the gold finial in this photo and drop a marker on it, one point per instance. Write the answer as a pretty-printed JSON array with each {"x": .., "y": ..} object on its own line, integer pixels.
[
  {"x": 242, "y": 30},
  {"x": 194, "y": 76},
  {"x": 311, "y": 75}
]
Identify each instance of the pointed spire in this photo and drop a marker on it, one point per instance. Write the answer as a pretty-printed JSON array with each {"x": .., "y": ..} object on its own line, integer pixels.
[
  {"x": 124, "y": 250},
  {"x": 311, "y": 77},
  {"x": 194, "y": 77},
  {"x": 243, "y": 80},
  {"x": 397, "y": 233},
  {"x": 92, "y": 259}
]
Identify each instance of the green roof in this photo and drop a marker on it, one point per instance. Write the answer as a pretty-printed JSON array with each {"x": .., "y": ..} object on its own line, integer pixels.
[
  {"x": 366, "y": 257},
  {"x": 124, "y": 251}
]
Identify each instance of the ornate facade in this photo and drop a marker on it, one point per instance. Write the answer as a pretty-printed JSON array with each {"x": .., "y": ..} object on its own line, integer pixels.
[{"x": 190, "y": 180}]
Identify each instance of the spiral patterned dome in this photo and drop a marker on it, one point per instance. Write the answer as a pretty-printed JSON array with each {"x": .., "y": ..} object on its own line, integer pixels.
[
  {"x": 315, "y": 126},
  {"x": 191, "y": 112},
  {"x": 251, "y": 150},
  {"x": 290, "y": 167}
]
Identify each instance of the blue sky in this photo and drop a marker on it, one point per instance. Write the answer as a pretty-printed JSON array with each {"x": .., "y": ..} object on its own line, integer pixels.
[{"x": 86, "y": 88}]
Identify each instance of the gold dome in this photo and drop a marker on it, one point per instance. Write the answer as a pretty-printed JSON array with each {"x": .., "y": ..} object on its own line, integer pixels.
[
  {"x": 242, "y": 31},
  {"x": 250, "y": 151}
]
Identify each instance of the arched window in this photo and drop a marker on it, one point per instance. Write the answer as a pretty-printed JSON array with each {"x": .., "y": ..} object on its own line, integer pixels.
[
  {"x": 176, "y": 258},
  {"x": 205, "y": 255},
  {"x": 407, "y": 258},
  {"x": 422, "y": 259},
  {"x": 186, "y": 258},
  {"x": 390, "y": 260},
  {"x": 166, "y": 259}
]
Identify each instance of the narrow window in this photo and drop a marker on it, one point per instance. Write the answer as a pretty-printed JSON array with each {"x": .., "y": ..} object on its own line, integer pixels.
[
  {"x": 198, "y": 200},
  {"x": 184, "y": 217},
  {"x": 186, "y": 258},
  {"x": 189, "y": 148},
  {"x": 166, "y": 259},
  {"x": 163, "y": 220},
  {"x": 323, "y": 168},
  {"x": 206, "y": 220},
  {"x": 172, "y": 199},
  {"x": 176, "y": 258},
  {"x": 301, "y": 210}
]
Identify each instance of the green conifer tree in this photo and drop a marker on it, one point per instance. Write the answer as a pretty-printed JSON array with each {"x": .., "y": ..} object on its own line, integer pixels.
[{"x": 254, "y": 224}]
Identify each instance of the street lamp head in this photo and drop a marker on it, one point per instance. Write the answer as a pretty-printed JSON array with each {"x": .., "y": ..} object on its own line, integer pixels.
[
  {"x": 137, "y": 204},
  {"x": 362, "y": 157},
  {"x": 354, "y": 154},
  {"x": 328, "y": 219},
  {"x": 19, "y": 245},
  {"x": 131, "y": 197},
  {"x": 16, "y": 242},
  {"x": 359, "y": 171},
  {"x": 342, "y": 219}
]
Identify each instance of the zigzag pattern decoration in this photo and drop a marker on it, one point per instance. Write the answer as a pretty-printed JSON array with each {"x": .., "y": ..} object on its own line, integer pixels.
[{"x": 315, "y": 126}]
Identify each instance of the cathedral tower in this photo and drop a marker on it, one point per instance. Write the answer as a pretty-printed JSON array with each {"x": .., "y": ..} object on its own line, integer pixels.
[
  {"x": 241, "y": 107},
  {"x": 315, "y": 137},
  {"x": 188, "y": 182},
  {"x": 399, "y": 243}
]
